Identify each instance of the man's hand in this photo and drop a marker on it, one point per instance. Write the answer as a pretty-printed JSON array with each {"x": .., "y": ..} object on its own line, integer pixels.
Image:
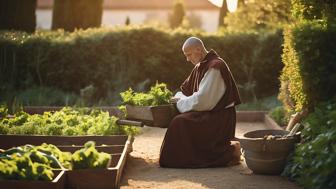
[{"x": 174, "y": 100}]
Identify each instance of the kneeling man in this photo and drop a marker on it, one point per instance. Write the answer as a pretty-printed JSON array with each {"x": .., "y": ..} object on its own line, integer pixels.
[{"x": 201, "y": 135}]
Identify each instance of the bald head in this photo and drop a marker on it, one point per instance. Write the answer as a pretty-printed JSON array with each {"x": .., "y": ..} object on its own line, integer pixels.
[
  {"x": 194, "y": 50},
  {"x": 193, "y": 42}
]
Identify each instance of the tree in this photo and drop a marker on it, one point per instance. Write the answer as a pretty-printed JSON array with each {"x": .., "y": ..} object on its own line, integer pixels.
[
  {"x": 72, "y": 14},
  {"x": 259, "y": 15},
  {"x": 314, "y": 9},
  {"x": 127, "y": 21},
  {"x": 222, "y": 13},
  {"x": 18, "y": 15},
  {"x": 178, "y": 14}
]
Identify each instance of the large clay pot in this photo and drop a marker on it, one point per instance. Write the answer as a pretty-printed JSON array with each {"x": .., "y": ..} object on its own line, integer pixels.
[{"x": 265, "y": 155}]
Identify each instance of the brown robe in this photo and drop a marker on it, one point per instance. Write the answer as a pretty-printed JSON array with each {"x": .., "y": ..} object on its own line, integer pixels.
[{"x": 199, "y": 139}]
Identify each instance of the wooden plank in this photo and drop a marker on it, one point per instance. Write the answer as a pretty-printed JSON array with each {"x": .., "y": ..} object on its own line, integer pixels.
[
  {"x": 121, "y": 164},
  {"x": 107, "y": 149},
  {"x": 57, "y": 183},
  {"x": 91, "y": 178},
  {"x": 130, "y": 122},
  {"x": 139, "y": 113},
  {"x": 156, "y": 116}
]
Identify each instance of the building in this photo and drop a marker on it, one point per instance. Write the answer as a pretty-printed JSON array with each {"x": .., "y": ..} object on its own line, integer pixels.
[{"x": 199, "y": 12}]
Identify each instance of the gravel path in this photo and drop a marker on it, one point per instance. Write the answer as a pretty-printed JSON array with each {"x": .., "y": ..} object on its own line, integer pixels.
[{"x": 143, "y": 171}]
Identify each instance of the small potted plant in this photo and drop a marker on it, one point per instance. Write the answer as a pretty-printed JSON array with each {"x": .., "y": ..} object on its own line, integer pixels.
[{"x": 152, "y": 108}]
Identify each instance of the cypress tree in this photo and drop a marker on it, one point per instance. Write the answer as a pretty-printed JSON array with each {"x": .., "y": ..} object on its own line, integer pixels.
[
  {"x": 178, "y": 14},
  {"x": 127, "y": 21},
  {"x": 222, "y": 13}
]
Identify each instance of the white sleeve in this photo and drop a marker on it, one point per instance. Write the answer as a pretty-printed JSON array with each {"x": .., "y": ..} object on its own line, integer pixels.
[
  {"x": 179, "y": 95},
  {"x": 211, "y": 90}
]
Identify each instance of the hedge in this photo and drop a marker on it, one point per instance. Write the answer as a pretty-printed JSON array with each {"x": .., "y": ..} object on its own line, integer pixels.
[
  {"x": 309, "y": 74},
  {"x": 112, "y": 60},
  {"x": 307, "y": 82}
]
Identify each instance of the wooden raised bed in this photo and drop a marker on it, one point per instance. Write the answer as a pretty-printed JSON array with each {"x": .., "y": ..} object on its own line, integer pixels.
[
  {"x": 58, "y": 182},
  {"x": 100, "y": 178},
  {"x": 117, "y": 145}
]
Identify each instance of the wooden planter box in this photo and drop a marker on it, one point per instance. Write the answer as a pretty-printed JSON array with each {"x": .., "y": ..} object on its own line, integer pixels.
[
  {"x": 100, "y": 178},
  {"x": 117, "y": 145},
  {"x": 58, "y": 182},
  {"x": 155, "y": 116}
]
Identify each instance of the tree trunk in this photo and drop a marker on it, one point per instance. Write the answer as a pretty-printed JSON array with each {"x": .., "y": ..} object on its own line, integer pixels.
[
  {"x": 18, "y": 15},
  {"x": 222, "y": 13},
  {"x": 72, "y": 14}
]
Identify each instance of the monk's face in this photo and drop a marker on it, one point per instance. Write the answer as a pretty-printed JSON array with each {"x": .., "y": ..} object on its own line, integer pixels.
[{"x": 193, "y": 54}]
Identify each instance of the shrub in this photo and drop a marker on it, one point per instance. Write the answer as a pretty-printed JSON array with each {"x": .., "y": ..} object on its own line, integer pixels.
[
  {"x": 313, "y": 163},
  {"x": 279, "y": 115},
  {"x": 309, "y": 73},
  {"x": 314, "y": 9}
]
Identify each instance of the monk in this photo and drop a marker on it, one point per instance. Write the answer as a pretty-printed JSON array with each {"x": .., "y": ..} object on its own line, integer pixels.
[{"x": 202, "y": 135}]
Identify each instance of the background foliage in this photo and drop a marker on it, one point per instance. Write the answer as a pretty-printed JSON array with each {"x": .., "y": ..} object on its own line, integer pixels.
[
  {"x": 258, "y": 15},
  {"x": 314, "y": 9},
  {"x": 100, "y": 63},
  {"x": 307, "y": 82},
  {"x": 313, "y": 163},
  {"x": 309, "y": 57}
]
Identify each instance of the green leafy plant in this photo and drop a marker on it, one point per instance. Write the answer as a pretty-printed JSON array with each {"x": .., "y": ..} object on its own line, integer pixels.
[
  {"x": 88, "y": 157},
  {"x": 279, "y": 115},
  {"x": 3, "y": 111},
  {"x": 158, "y": 95},
  {"x": 313, "y": 163},
  {"x": 30, "y": 162},
  {"x": 68, "y": 121}
]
